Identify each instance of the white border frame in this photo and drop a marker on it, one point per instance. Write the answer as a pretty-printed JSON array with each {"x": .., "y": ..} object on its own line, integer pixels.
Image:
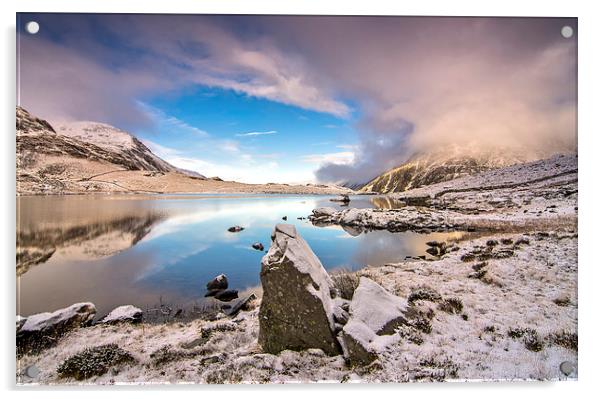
[{"x": 590, "y": 129}]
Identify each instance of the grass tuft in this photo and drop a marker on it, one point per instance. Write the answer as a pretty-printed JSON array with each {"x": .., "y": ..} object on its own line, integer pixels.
[{"x": 345, "y": 283}]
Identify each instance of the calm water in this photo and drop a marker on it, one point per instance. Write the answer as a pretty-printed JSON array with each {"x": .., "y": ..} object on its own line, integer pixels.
[{"x": 115, "y": 250}]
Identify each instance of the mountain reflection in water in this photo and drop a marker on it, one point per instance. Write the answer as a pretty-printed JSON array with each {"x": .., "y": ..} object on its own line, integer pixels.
[{"x": 142, "y": 250}]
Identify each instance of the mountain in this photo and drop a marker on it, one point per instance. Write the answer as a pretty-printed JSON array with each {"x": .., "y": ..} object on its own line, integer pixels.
[
  {"x": 118, "y": 142},
  {"x": 50, "y": 158},
  {"x": 449, "y": 163},
  {"x": 92, "y": 157}
]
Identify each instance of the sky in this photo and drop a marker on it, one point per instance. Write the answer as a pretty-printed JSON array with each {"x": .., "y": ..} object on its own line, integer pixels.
[{"x": 301, "y": 99}]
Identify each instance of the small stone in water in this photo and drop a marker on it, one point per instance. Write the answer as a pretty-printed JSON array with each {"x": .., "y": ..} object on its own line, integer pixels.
[{"x": 218, "y": 283}]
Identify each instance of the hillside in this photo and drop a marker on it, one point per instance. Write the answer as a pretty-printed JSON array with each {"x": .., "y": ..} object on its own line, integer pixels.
[{"x": 442, "y": 165}]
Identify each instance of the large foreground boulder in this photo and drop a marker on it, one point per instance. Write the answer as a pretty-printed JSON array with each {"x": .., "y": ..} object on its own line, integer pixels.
[
  {"x": 42, "y": 330},
  {"x": 374, "y": 316},
  {"x": 297, "y": 311}
]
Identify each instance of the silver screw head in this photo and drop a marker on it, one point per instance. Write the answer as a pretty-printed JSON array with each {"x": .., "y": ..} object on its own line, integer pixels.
[
  {"x": 567, "y": 368},
  {"x": 32, "y": 371}
]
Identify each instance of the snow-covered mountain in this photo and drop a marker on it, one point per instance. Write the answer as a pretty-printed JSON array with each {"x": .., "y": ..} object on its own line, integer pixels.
[
  {"x": 116, "y": 140},
  {"x": 90, "y": 140},
  {"x": 445, "y": 164}
]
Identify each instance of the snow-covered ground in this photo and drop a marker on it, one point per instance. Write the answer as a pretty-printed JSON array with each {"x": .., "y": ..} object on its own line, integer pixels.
[{"x": 534, "y": 289}]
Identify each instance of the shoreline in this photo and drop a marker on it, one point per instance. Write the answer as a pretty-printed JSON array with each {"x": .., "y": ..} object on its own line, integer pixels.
[{"x": 424, "y": 358}]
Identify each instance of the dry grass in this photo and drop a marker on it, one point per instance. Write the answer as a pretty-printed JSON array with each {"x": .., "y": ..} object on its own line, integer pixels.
[{"x": 345, "y": 283}]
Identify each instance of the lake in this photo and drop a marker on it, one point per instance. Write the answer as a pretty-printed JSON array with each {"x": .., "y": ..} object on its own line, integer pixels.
[{"x": 146, "y": 250}]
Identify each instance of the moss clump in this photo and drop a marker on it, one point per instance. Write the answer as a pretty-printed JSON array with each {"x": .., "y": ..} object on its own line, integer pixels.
[
  {"x": 564, "y": 300},
  {"x": 479, "y": 266},
  {"x": 489, "y": 329},
  {"x": 94, "y": 361},
  {"x": 518, "y": 332},
  {"x": 565, "y": 339},
  {"x": 446, "y": 365},
  {"x": 422, "y": 324},
  {"x": 532, "y": 341},
  {"x": 424, "y": 294},
  {"x": 410, "y": 334},
  {"x": 452, "y": 305},
  {"x": 530, "y": 338}
]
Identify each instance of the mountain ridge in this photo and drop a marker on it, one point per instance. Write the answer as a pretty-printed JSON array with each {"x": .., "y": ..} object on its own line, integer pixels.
[{"x": 452, "y": 162}]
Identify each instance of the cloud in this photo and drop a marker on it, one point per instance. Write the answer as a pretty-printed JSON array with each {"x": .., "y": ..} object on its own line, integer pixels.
[
  {"x": 68, "y": 76},
  {"x": 170, "y": 121},
  {"x": 337, "y": 158},
  {"x": 242, "y": 168},
  {"x": 430, "y": 84},
  {"x": 253, "y": 134},
  {"x": 160, "y": 150}
]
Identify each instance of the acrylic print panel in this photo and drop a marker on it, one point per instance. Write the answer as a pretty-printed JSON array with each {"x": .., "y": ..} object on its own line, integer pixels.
[{"x": 226, "y": 199}]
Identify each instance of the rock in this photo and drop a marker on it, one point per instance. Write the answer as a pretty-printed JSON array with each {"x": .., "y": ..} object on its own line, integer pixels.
[
  {"x": 522, "y": 240},
  {"x": 258, "y": 246},
  {"x": 235, "y": 229},
  {"x": 492, "y": 243},
  {"x": 374, "y": 316},
  {"x": 226, "y": 295},
  {"x": 43, "y": 330},
  {"x": 352, "y": 231},
  {"x": 378, "y": 308},
  {"x": 20, "y": 321},
  {"x": 435, "y": 244},
  {"x": 341, "y": 311},
  {"x": 324, "y": 212},
  {"x": 344, "y": 198},
  {"x": 353, "y": 216},
  {"x": 241, "y": 303},
  {"x": 126, "y": 313},
  {"x": 432, "y": 251},
  {"x": 297, "y": 311},
  {"x": 218, "y": 283}
]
